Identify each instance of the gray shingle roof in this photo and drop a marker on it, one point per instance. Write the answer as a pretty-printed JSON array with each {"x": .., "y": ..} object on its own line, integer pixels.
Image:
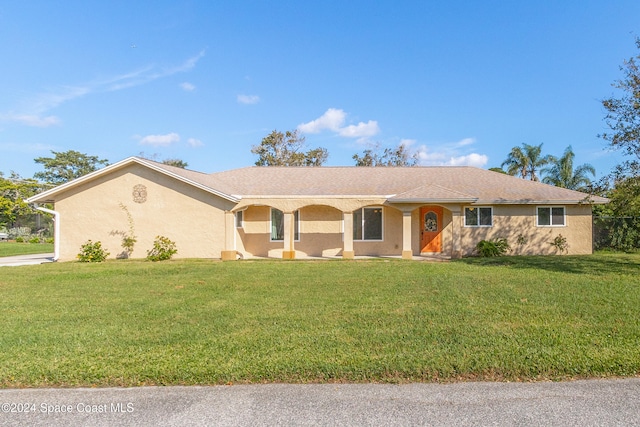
[
  {"x": 452, "y": 183},
  {"x": 461, "y": 184}
]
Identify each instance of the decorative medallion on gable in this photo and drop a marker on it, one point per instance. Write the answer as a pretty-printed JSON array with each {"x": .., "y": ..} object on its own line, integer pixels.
[{"x": 139, "y": 193}]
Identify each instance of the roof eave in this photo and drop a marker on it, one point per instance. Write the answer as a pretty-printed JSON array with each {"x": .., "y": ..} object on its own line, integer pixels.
[
  {"x": 432, "y": 201},
  {"x": 46, "y": 196},
  {"x": 585, "y": 201}
]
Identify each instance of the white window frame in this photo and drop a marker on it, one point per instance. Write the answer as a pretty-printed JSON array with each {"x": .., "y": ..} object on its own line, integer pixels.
[
  {"x": 296, "y": 218},
  {"x": 551, "y": 224},
  {"x": 464, "y": 213},
  {"x": 362, "y": 224}
]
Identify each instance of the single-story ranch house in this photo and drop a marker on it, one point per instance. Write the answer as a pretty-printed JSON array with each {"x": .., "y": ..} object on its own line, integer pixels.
[{"x": 298, "y": 212}]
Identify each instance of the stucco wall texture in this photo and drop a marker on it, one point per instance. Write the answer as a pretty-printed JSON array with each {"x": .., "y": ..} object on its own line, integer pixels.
[{"x": 190, "y": 217}]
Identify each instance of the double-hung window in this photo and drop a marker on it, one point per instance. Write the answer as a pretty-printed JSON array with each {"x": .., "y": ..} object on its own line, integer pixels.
[
  {"x": 478, "y": 216},
  {"x": 277, "y": 225},
  {"x": 550, "y": 216},
  {"x": 367, "y": 224}
]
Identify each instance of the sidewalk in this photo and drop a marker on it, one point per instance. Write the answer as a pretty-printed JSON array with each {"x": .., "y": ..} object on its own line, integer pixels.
[{"x": 13, "y": 261}]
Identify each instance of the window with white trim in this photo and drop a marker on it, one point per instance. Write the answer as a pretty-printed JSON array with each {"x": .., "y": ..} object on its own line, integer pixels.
[
  {"x": 277, "y": 225},
  {"x": 550, "y": 216},
  {"x": 367, "y": 223},
  {"x": 478, "y": 216}
]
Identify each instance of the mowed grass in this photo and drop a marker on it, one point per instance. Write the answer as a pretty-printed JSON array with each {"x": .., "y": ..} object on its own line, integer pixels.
[
  {"x": 13, "y": 248},
  {"x": 129, "y": 323}
]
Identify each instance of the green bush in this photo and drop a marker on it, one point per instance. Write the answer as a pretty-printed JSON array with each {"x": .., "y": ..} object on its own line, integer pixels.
[
  {"x": 49, "y": 240},
  {"x": 19, "y": 232},
  {"x": 163, "y": 249},
  {"x": 493, "y": 247},
  {"x": 34, "y": 239},
  {"x": 92, "y": 252}
]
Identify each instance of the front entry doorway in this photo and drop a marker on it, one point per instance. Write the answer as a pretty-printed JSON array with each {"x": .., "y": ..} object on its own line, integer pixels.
[{"x": 430, "y": 229}]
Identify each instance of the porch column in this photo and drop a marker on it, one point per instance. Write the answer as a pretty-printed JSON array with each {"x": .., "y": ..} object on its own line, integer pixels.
[
  {"x": 347, "y": 233},
  {"x": 229, "y": 252},
  {"x": 456, "y": 222},
  {"x": 407, "y": 252},
  {"x": 289, "y": 251}
]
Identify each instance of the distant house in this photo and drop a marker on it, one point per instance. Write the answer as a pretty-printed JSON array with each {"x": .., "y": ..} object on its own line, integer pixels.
[{"x": 298, "y": 212}]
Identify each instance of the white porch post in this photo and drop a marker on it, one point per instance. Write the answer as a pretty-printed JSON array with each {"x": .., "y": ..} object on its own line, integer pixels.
[
  {"x": 229, "y": 252},
  {"x": 407, "y": 252},
  {"x": 347, "y": 233},
  {"x": 456, "y": 219},
  {"x": 289, "y": 251}
]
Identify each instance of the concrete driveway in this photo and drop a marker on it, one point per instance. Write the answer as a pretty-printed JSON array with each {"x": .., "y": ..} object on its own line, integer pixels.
[
  {"x": 12, "y": 261},
  {"x": 574, "y": 403}
]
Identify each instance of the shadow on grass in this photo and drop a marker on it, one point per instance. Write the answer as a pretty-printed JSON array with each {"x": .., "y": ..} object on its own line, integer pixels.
[{"x": 599, "y": 263}]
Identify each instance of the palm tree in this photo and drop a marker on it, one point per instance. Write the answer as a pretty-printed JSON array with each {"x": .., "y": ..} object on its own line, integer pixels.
[
  {"x": 517, "y": 163},
  {"x": 562, "y": 174},
  {"x": 526, "y": 161}
]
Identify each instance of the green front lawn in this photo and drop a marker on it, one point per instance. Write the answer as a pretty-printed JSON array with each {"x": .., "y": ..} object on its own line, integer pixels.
[
  {"x": 13, "y": 248},
  {"x": 129, "y": 323}
]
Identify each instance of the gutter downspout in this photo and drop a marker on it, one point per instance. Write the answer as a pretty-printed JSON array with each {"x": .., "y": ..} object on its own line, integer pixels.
[{"x": 56, "y": 231}]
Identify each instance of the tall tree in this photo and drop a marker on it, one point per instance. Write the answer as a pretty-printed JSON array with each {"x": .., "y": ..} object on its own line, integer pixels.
[
  {"x": 13, "y": 191},
  {"x": 176, "y": 162},
  {"x": 526, "y": 161},
  {"x": 517, "y": 163},
  {"x": 561, "y": 173},
  {"x": 622, "y": 185},
  {"x": 399, "y": 156},
  {"x": 67, "y": 165},
  {"x": 623, "y": 114},
  {"x": 285, "y": 149}
]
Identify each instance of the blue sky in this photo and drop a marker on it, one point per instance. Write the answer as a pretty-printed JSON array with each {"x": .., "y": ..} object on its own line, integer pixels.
[{"x": 460, "y": 82}]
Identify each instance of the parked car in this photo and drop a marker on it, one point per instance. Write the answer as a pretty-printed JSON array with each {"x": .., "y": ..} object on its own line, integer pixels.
[{"x": 4, "y": 236}]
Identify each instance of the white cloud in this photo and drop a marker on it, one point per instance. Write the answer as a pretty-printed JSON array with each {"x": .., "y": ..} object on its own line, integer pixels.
[
  {"x": 32, "y": 120},
  {"x": 334, "y": 119},
  {"x": 464, "y": 142},
  {"x": 33, "y": 110},
  {"x": 428, "y": 158},
  {"x": 160, "y": 140},
  {"x": 449, "y": 155},
  {"x": 194, "y": 142},
  {"x": 248, "y": 99},
  {"x": 188, "y": 87},
  {"x": 473, "y": 159},
  {"x": 361, "y": 130},
  {"x": 26, "y": 148}
]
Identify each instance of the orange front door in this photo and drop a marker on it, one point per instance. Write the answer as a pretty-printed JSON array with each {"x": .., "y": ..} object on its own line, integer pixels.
[{"x": 431, "y": 229}]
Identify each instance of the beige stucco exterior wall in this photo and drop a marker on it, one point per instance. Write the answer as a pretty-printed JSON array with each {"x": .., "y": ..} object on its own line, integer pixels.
[
  {"x": 192, "y": 218},
  {"x": 513, "y": 221},
  {"x": 321, "y": 231}
]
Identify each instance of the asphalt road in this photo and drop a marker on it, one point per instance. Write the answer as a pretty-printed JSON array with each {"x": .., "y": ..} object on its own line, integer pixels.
[{"x": 576, "y": 403}]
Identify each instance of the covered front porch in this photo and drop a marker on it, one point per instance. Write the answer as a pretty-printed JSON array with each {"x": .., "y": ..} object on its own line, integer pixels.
[{"x": 370, "y": 228}]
